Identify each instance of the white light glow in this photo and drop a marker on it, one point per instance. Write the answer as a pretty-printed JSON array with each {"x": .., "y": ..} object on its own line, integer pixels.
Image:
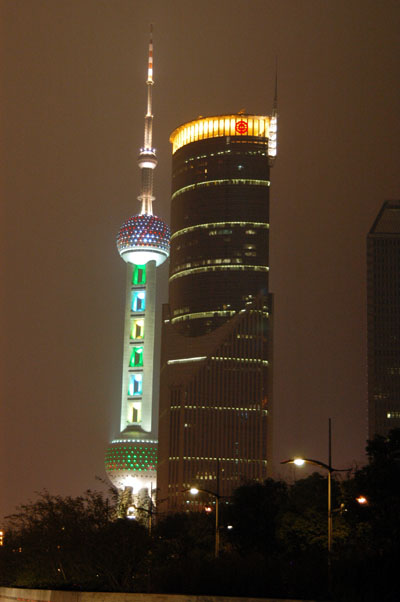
[
  {"x": 186, "y": 360},
  {"x": 148, "y": 164},
  {"x": 140, "y": 256}
]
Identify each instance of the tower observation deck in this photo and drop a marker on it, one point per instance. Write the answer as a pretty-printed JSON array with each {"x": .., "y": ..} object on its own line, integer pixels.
[{"x": 143, "y": 243}]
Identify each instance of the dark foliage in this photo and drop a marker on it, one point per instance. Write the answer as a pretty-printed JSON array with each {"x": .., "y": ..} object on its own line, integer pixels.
[
  {"x": 277, "y": 546},
  {"x": 66, "y": 543}
]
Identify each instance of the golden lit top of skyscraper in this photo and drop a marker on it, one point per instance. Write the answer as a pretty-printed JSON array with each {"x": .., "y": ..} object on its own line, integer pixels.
[
  {"x": 237, "y": 124},
  {"x": 145, "y": 237}
]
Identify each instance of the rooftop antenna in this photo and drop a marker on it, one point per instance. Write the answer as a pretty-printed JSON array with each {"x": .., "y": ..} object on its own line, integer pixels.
[{"x": 275, "y": 105}]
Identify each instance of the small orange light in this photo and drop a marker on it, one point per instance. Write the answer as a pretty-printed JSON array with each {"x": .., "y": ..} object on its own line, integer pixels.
[{"x": 362, "y": 500}]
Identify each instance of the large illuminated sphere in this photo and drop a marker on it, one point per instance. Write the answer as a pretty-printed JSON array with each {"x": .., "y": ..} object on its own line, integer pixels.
[
  {"x": 144, "y": 238},
  {"x": 132, "y": 464}
]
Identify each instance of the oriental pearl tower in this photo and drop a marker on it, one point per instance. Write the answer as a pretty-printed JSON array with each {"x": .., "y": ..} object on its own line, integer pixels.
[{"x": 143, "y": 242}]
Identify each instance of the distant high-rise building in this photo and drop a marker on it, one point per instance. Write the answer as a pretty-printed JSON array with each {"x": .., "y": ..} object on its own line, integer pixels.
[
  {"x": 215, "y": 391},
  {"x": 383, "y": 291},
  {"x": 143, "y": 242}
]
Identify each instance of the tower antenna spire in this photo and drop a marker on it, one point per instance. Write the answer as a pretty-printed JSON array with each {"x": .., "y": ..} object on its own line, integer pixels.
[
  {"x": 275, "y": 105},
  {"x": 147, "y": 157}
]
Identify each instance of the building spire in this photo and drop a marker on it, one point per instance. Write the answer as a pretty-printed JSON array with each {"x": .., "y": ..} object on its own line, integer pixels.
[
  {"x": 275, "y": 105},
  {"x": 150, "y": 65},
  {"x": 147, "y": 157}
]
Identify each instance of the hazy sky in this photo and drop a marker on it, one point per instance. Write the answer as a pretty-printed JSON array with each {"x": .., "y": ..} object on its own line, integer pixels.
[{"x": 73, "y": 85}]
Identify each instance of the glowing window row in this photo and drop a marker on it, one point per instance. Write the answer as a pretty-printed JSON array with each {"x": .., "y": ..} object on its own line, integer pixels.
[
  {"x": 249, "y": 360},
  {"x": 225, "y": 125},
  {"x": 393, "y": 415},
  {"x": 203, "y": 314},
  {"x": 224, "y": 182},
  {"x": 243, "y": 268},
  {"x": 216, "y": 408},
  {"x": 265, "y": 314},
  {"x": 220, "y": 225},
  {"x": 214, "y": 261},
  {"x": 226, "y": 152},
  {"x": 220, "y": 459}
]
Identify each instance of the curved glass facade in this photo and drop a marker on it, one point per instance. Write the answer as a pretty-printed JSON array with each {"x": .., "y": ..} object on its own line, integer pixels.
[
  {"x": 220, "y": 227},
  {"x": 216, "y": 385}
]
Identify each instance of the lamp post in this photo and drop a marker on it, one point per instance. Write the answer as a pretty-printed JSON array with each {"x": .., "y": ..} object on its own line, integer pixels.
[
  {"x": 195, "y": 491},
  {"x": 329, "y": 468}
]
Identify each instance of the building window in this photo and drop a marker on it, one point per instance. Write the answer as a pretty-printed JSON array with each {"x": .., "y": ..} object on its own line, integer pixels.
[
  {"x": 138, "y": 301},
  {"x": 139, "y": 274},
  {"x": 135, "y": 412},
  {"x": 136, "y": 360},
  {"x": 393, "y": 414},
  {"x": 135, "y": 384},
  {"x": 137, "y": 329}
]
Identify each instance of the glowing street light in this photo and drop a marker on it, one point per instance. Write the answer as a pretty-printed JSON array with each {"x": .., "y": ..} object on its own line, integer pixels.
[
  {"x": 195, "y": 491},
  {"x": 329, "y": 468}
]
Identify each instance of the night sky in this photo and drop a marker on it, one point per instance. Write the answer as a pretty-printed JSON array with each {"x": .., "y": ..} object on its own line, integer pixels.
[{"x": 73, "y": 85}]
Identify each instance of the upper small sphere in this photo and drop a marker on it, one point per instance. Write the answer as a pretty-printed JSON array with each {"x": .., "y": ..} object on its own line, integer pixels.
[{"x": 144, "y": 238}]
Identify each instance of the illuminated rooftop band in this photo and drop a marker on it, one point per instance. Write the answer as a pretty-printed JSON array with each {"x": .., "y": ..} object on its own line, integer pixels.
[{"x": 221, "y": 125}]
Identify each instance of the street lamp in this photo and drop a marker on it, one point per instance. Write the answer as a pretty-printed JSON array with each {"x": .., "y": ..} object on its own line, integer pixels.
[
  {"x": 329, "y": 468},
  {"x": 195, "y": 491}
]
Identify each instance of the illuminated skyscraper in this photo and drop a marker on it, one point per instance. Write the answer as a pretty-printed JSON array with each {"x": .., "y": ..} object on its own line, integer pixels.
[
  {"x": 143, "y": 242},
  {"x": 217, "y": 329},
  {"x": 383, "y": 289}
]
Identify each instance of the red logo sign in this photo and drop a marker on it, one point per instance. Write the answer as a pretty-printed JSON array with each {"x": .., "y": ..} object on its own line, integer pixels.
[{"x": 241, "y": 127}]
